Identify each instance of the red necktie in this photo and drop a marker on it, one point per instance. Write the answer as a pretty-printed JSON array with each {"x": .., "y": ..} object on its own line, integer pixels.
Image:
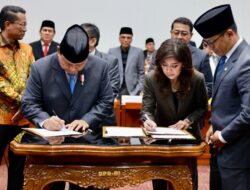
[{"x": 46, "y": 49}]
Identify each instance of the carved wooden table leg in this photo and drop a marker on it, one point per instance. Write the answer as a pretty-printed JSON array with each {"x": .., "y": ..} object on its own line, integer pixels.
[{"x": 38, "y": 176}]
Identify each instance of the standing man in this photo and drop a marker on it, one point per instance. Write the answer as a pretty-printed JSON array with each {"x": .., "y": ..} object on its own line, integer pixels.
[
  {"x": 149, "y": 55},
  {"x": 15, "y": 60},
  {"x": 230, "y": 120},
  {"x": 45, "y": 46},
  {"x": 94, "y": 37},
  {"x": 131, "y": 64},
  {"x": 182, "y": 28}
]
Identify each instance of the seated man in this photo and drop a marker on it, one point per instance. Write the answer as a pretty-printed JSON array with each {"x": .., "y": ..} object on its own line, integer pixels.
[{"x": 72, "y": 85}]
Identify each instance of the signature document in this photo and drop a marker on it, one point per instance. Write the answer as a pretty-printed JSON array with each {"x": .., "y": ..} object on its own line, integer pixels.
[{"x": 46, "y": 133}]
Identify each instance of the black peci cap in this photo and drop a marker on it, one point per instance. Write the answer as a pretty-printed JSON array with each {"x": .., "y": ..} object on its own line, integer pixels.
[
  {"x": 48, "y": 23},
  {"x": 75, "y": 44},
  {"x": 126, "y": 30},
  {"x": 148, "y": 40},
  {"x": 214, "y": 21}
]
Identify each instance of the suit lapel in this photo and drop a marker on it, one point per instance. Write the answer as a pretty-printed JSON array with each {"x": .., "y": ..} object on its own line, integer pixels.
[
  {"x": 79, "y": 85},
  {"x": 229, "y": 65},
  {"x": 98, "y": 54},
  {"x": 61, "y": 79},
  {"x": 40, "y": 49},
  {"x": 130, "y": 51},
  {"x": 52, "y": 48},
  {"x": 118, "y": 54}
]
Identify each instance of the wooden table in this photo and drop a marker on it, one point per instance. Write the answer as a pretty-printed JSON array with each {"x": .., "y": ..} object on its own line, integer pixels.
[{"x": 108, "y": 166}]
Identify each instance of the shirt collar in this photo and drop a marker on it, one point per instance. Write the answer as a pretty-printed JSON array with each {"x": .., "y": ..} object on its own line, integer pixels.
[
  {"x": 44, "y": 43},
  {"x": 230, "y": 52},
  {"x": 93, "y": 52},
  {"x": 5, "y": 42}
]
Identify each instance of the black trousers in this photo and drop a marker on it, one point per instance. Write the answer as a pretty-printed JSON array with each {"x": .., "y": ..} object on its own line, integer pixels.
[
  {"x": 16, "y": 163},
  {"x": 215, "y": 178},
  {"x": 235, "y": 178}
]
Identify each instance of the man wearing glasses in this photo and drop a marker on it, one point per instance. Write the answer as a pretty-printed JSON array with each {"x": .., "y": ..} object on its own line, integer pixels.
[
  {"x": 229, "y": 133},
  {"x": 182, "y": 29},
  {"x": 15, "y": 60}
]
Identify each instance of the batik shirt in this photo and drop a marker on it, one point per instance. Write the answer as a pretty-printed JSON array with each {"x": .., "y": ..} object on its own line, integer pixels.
[{"x": 15, "y": 62}]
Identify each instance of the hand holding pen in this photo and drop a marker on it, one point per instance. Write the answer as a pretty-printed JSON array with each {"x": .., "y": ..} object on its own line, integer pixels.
[
  {"x": 149, "y": 124},
  {"x": 54, "y": 123}
]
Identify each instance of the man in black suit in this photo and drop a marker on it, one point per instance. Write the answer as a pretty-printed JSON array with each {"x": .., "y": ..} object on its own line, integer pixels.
[
  {"x": 113, "y": 67},
  {"x": 79, "y": 89},
  {"x": 149, "y": 54},
  {"x": 229, "y": 133},
  {"x": 45, "y": 45},
  {"x": 182, "y": 28}
]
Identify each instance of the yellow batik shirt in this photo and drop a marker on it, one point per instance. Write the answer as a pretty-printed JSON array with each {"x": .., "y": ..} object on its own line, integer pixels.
[{"x": 15, "y": 65}]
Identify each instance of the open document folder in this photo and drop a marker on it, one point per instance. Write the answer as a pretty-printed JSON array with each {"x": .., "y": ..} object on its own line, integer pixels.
[
  {"x": 46, "y": 133},
  {"x": 159, "y": 133}
]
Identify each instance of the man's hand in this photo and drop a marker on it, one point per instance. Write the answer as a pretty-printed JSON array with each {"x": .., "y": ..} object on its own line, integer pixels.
[
  {"x": 78, "y": 125},
  {"x": 209, "y": 133},
  {"x": 17, "y": 117},
  {"x": 55, "y": 140},
  {"x": 216, "y": 141},
  {"x": 54, "y": 123}
]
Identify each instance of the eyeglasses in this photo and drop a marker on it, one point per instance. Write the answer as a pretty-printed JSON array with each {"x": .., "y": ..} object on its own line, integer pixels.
[
  {"x": 23, "y": 25},
  {"x": 212, "y": 42},
  {"x": 170, "y": 67},
  {"x": 179, "y": 32}
]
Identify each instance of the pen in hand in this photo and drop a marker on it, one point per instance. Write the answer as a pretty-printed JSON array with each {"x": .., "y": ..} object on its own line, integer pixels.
[
  {"x": 56, "y": 123},
  {"x": 146, "y": 116},
  {"x": 149, "y": 124}
]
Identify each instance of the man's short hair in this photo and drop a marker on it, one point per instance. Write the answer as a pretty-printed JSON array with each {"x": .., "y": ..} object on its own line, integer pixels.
[
  {"x": 148, "y": 40},
  {"x": 92, "y": 30},
  {"x": 8, "y": 13},
  {"x": 185, "y": 21}
]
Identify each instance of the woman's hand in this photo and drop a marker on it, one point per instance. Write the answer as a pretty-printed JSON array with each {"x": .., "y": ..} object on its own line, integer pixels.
[
  {"x": 181, "y": 125},
  {"x": 149, "y": 125}
]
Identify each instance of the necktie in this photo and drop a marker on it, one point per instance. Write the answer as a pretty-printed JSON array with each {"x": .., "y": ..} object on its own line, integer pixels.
[
  {"x": 219, "y": 68},
  {"x": 72, "y": 82},
  {"x": 46, "y": 49}
]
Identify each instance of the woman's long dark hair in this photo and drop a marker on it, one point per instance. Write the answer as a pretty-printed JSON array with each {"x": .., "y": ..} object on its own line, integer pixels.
[{"x": 174, "y": 48}]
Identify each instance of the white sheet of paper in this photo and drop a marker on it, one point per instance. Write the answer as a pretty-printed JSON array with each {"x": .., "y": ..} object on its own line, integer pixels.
[
  {"x": 131, "y": 99},
  {"x": 187, "y": 136},
  {"x": 166, "y": 131},
  {"x": 123, "y": 132},
  {"x": 46, "y": 133}
]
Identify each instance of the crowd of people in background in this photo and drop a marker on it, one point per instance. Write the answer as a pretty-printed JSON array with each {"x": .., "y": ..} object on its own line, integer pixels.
[{"x": 175, "y": 81}]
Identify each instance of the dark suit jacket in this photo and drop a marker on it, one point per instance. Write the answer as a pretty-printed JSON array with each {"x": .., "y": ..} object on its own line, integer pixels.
[
  {"x": 201, "y": 62},
  {"x": 113, "y": 68},
  {"x": 231, "y": 109},
  {"x": 38, "y": 49},
  {"x": 162, "y": 110},
  {"x": 48, "y": 90}
]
